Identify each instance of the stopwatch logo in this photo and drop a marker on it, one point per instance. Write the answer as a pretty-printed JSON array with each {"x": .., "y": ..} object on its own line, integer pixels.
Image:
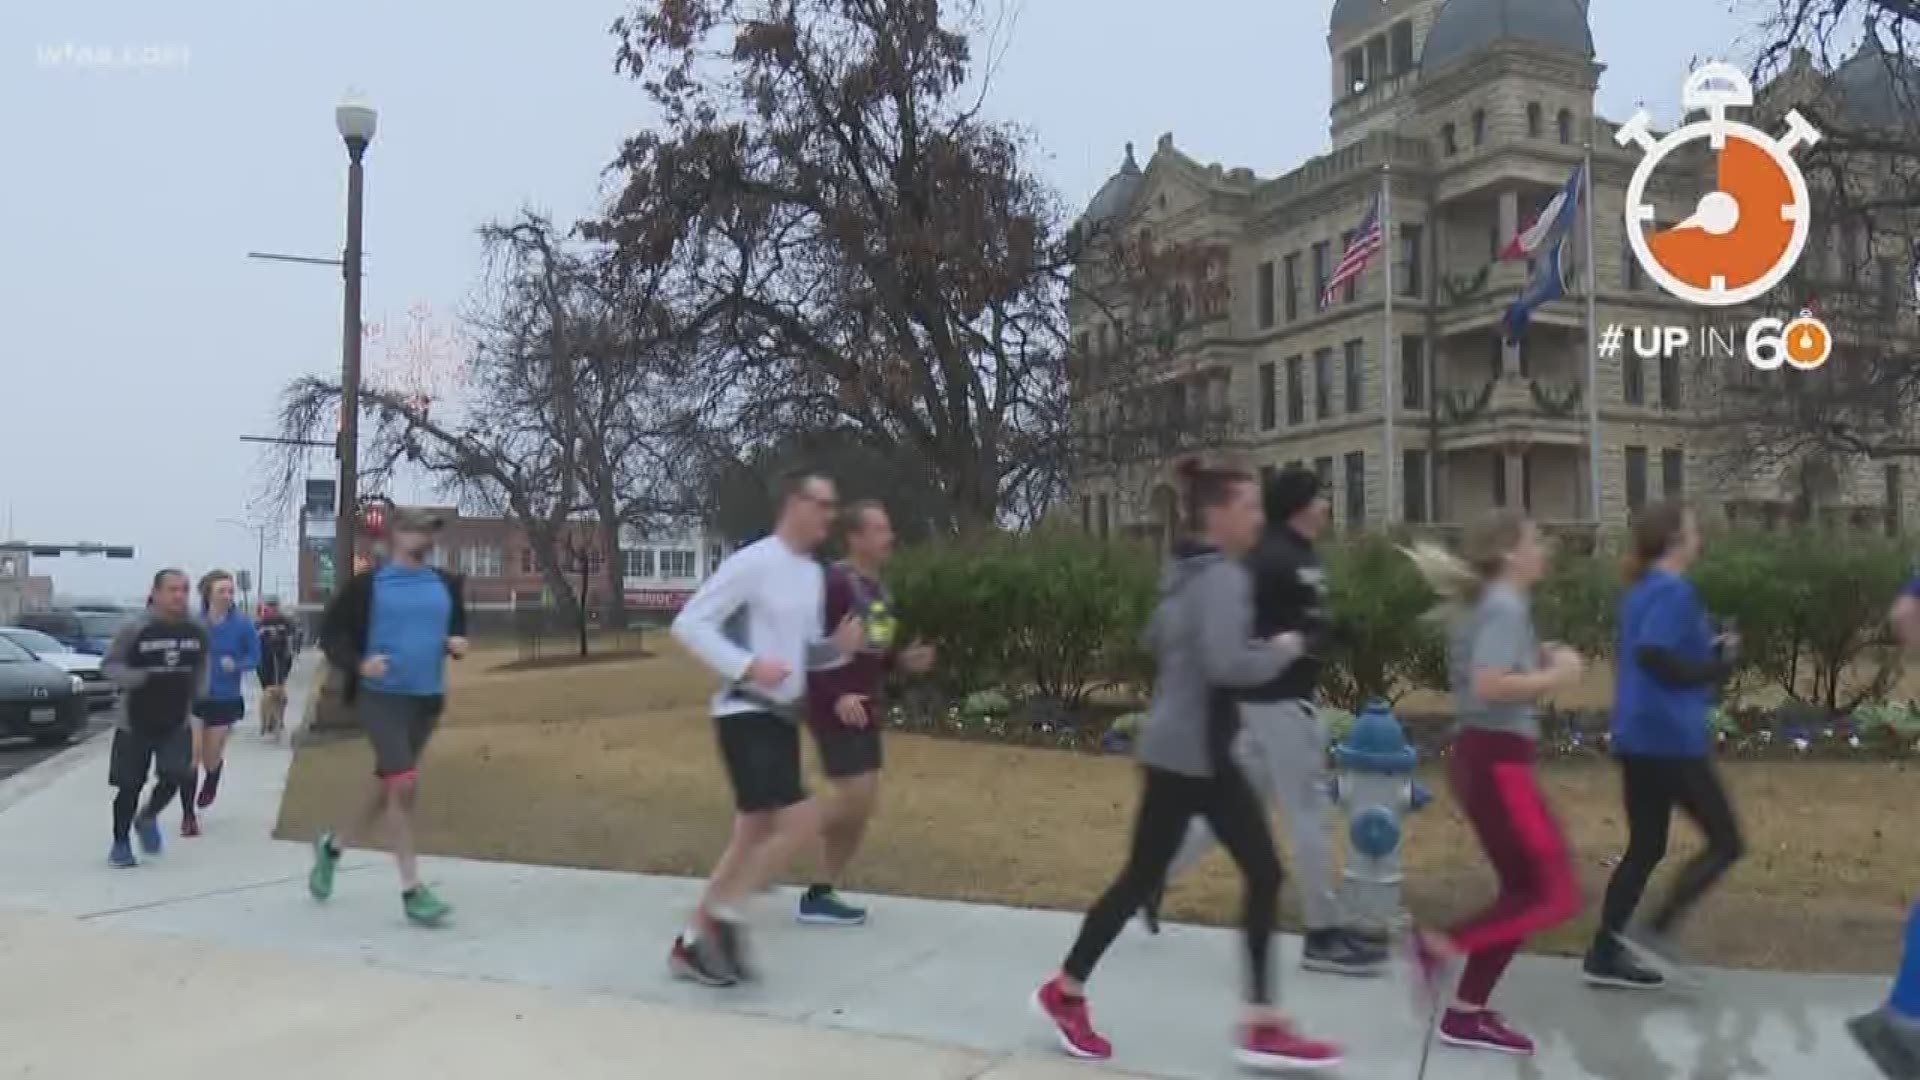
[{"x": 1745, "y": 236}]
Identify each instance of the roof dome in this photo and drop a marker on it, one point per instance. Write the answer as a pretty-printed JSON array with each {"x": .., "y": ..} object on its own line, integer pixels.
[
  {"x": 1115, "y": 197},
  {"x": 1353, "y": 16},
  {"x": 1466, "y": 27},
  {"x": 1875, "y": 88}
]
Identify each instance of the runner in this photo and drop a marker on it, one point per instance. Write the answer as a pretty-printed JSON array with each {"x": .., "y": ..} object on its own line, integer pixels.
[
  {"x": 158, "y": 658},
  {"x": 845, "y": 708},
  {"x": 1202, "y": 637},
  {"x": 1890, "y": 1034},
  {"x": 390, "y": 632},
  {"x": 1283, "y": 743},
  {"x": 1498, "y": 671},
  {"x": 1668, "y": 668},
  {"x": 233, "y": 646},
  {"x": 276, "y": 664},
  {"x": 756, "y": 622}
]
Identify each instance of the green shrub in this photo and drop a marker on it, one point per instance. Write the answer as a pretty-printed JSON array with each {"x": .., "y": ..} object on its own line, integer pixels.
[
  {"x": 1578, "y": 602},
  {"x": 1382, "y": 645}
]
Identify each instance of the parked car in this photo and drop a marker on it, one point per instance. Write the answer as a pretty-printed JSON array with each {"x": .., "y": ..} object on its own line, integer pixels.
[
  {"x": 37, "y": 700},
  {"x": 82, "y": 630},
  {"x": 101, "y": 691}
]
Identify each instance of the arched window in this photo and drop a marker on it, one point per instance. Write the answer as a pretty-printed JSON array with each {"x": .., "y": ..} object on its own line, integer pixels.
[
  {"x": 1565, "y": 120},
  {"x": 1479, "y": 126},
  {"x": 1533, "y": 119},
  {"x": 1448, "y": 141}
]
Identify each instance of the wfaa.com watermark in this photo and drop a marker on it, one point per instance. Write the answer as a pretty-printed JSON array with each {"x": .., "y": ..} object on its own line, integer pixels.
[
  {"x": 1803, "y": 343},
  {"x": 74, "y": 56}
]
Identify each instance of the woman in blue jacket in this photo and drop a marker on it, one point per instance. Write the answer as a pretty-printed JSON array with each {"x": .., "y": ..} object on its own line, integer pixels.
[
  {"x": 233, "y": 650},
  {"x": 1667, "y": 669}
]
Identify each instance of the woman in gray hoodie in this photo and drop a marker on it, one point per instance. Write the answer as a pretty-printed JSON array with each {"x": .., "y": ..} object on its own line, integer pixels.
[{"x": 1201, "y": 635}]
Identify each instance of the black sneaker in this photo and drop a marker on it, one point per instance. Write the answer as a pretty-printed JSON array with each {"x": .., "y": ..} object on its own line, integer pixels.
[
  {"x": 699, "y": 961},
  {"x": 1658, "y": 951},
  {"x": 1893, "y": 1044},
  {"x": 1611, "y": 966},
  {"x": 730, "y": 938},
  {"x": 1341, "y": 953},
  {"x": 1150, "y": 911}
]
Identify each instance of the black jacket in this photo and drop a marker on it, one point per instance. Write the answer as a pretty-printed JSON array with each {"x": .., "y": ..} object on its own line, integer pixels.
[
  {"x": 1289, "y": 593},
  {"x": 343, "y": 630}
]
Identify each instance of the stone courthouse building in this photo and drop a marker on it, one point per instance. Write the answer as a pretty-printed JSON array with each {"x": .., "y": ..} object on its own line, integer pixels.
[{"x": 1479, "y": 110}]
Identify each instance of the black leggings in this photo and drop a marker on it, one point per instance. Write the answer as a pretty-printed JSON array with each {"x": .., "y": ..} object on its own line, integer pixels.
[
  {"x": 1168, "y": 803},
  {"x": 127, "y": 799},
  {"x": 1653, "y": 787}
]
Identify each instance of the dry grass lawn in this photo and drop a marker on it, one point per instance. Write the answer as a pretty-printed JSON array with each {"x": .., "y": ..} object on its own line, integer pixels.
[{"x": 612, "y": 766}]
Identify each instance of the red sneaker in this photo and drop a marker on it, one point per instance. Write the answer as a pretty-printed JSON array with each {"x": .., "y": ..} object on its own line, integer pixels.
[
  {"x": 190, "y": 826},
  {"x": 1483, "y": 1030},
  {"x": 1274, "y": 1045},
  {"x": 1071, "y": 1023}
]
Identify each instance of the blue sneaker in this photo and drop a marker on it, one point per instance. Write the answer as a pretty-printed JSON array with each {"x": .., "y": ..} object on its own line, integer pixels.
[
  {"x": 148, "y": 830},
  {"x": 121, "y": 857},
  {"x": 824, "y": 907}
]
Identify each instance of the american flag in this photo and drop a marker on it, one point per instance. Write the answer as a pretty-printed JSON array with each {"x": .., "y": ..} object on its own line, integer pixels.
[{"x": 1367, "y": 241}]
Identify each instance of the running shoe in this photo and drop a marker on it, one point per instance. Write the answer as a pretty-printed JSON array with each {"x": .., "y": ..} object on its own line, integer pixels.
[
  {"x": 1275, "y": 1046},
  {"x": 1341, "y": 953},
  {"x": 699, "y": 961},
  {"x": 190, "y": 825},
  {"x": 1072, "y": 1025},
  {"x": 120, "y": 856},
  {"x": 730, "y": 938},
  {"x": 326, "y": 858},
  {"x": 1658, "y": 951},
  {"x": 148, "y": 830},
  {"x": 1483, "y": 1030},
  {"x": 1892, "y": 1042},
  {"x": 423, "y": 908},
  {"x": 1609, "y": 965},
  {"x": 209, "y": 789},
  {"x": 823, "y": 907},
  {"x": 1150, "y": 911}
]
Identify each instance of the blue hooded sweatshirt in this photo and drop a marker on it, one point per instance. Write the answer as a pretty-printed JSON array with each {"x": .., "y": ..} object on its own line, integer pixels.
[
  {"x": 1650, "y": 716},
  {"x": 232, "y": 638}
]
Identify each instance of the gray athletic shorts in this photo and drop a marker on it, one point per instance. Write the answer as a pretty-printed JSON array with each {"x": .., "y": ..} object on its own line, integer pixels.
[{"x": 399, "y": 726}]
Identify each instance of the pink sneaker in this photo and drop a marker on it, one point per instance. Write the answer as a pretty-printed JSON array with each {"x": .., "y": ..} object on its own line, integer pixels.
[
  {"x": 1071, "y": 1023},
  {"x": 1274, "y": 1045},
  {"x": 1483, "y": 1030}
]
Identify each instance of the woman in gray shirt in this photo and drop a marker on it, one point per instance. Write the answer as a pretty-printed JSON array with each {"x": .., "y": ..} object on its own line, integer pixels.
[{"x": 1498, "y": 671}]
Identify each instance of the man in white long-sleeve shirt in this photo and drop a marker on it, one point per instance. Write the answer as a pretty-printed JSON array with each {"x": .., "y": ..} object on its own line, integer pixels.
[{"x": 756, "y": 622}]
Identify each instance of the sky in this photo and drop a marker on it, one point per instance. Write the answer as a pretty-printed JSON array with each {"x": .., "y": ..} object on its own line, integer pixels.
[{"x": 156, "y": 144}]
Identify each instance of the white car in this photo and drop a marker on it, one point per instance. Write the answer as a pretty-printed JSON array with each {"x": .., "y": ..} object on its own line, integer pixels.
[{"x": 100, "y": 691}]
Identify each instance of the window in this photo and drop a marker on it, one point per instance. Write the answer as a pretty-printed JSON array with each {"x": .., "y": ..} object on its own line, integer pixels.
[
  {"x": 527, "y": 565},
  {"x": 1636, "y": 477},
  {"x": 1323, "y": 468},
  {"x": 1499, "y": 461},
  {"x": 1320, "y": 270},
  {"x": 1449, "y": 142},
  {"x": 639, "y": 563},
  {"x": 1413, "y": 371},
  {"x": 1893, "y": 498},
  {"x": 1296, "y": 396},
  {"x": 1104, "y": 525},
  {"x": 678, "y": 563},
  {"x": 1356, "y": 72},
  {"x": 1402, "y": 33},
  {"x": 1347, "y": 291},
  {"x": 1269, "y": 398},
  {"x": 1322, "y": 383},
  {"x": 1496, "y": 358},
  {"x": 714, "y": 554},
  {"x": 1377, "y": 59},
  {"x": 480, "y": 561},
  {"x": 1410, "y": 275},
  {"x": 1673, "y": 474},
  {"x": 1356, "y": 375},
  {"x": 1356, "y": 489},
  {"x": 1633, "y": 378},
  {"x": 1293, "y": 285},
  {"x": 1669, "y": 382},
  {"x": 1533, "y": 119},
  {"x": 1479, "y": 126},
  {"x": 1565, "y": 123},
  {"x": 1263, "y": 295},
  {"x": 1413, "y": 485},
  {"x": 1526, "y": 481}
]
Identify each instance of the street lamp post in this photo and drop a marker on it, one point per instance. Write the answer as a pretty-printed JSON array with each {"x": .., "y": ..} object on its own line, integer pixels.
[{"x": 356, "y": 120}]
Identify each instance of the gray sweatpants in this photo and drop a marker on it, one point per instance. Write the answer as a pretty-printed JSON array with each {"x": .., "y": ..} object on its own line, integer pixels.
[{"x": 1282, "y": 749}]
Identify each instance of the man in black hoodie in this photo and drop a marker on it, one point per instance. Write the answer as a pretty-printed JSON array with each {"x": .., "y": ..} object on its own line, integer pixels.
[{"x": 1283, "y": 743}]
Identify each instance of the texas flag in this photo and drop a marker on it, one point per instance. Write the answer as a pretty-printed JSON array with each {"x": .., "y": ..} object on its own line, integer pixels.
[
  {"x": 1548, "y": 281},
  {"x": 1554, "y": 219}
]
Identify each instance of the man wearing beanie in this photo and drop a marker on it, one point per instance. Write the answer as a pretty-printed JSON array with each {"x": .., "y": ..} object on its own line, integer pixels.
[{"x": 1283, "y": 744}]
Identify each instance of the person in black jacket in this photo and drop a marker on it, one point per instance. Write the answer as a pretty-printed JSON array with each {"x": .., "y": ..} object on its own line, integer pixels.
[
  {"x": 389, "y": 633},
  {"x": 276, "y": 663},
  {"x": 1283, "y": 743}
]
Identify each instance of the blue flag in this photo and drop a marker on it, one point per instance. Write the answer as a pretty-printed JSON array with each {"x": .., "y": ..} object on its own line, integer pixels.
[{"x": 1548, "y": 241}]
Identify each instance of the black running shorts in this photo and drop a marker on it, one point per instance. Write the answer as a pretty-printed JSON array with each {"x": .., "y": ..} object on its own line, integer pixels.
[
  {"x": 398, "y": 726},
  {"x": 847, "y": 752},
  {"x": 169, "y": 755},
  {"x": 762, "y": 755}
]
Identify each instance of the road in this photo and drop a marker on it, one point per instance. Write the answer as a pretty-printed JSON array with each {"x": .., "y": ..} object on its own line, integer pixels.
[{"x": 18, "y": 755}]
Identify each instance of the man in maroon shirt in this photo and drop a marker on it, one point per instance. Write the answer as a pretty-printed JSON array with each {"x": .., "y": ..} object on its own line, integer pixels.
[{"x": 844, "y": 705}]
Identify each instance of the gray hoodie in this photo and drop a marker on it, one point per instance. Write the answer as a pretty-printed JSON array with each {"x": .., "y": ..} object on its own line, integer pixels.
[{"x": 1201, "y": 634}]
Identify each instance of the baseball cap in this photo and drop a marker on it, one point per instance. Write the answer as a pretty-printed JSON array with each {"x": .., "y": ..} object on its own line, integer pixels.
[{"x": 412, "y": 519}]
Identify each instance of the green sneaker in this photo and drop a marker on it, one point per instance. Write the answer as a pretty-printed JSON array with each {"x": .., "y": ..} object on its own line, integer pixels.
[
  {"x": 325, "y": 858},
  {"x": 423, "y": 908}
]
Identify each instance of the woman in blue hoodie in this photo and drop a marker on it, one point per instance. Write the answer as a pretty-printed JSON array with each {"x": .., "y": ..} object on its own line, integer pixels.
[
  {"x": 1668, "y": 667},
  {"x": 233, "y": 650}
]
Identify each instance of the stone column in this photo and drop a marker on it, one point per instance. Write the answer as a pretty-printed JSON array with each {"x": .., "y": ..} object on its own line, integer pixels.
[{"x": 1516, "y": 475}]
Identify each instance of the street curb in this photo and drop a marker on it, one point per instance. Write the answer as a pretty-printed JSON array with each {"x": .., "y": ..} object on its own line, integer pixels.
[{"x": 34, "y": 778}]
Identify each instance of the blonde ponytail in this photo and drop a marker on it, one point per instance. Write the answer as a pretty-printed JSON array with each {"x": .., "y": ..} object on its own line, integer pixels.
[{"x": 1460, "y": 579}]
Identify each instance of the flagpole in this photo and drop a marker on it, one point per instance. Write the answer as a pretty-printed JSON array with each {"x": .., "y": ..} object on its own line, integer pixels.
[
  {"x": 1593, "y": 349},
  {"x": 1388, "y": 383}
]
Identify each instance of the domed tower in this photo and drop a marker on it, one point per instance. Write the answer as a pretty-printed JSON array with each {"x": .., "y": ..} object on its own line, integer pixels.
[
  {"x": 1375, "y": 46},
  {"x": 1523, "y": 69}
]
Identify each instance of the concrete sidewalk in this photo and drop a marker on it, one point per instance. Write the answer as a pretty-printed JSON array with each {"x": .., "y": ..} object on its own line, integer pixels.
[{"x": 928, "y": 989}]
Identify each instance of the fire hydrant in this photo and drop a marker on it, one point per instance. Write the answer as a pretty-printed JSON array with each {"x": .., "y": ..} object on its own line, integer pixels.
[{"x": 1374, "y": 786}]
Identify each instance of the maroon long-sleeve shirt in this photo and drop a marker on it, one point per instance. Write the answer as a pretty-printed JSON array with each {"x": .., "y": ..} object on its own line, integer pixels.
[{"x": 865, "y": 672}]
